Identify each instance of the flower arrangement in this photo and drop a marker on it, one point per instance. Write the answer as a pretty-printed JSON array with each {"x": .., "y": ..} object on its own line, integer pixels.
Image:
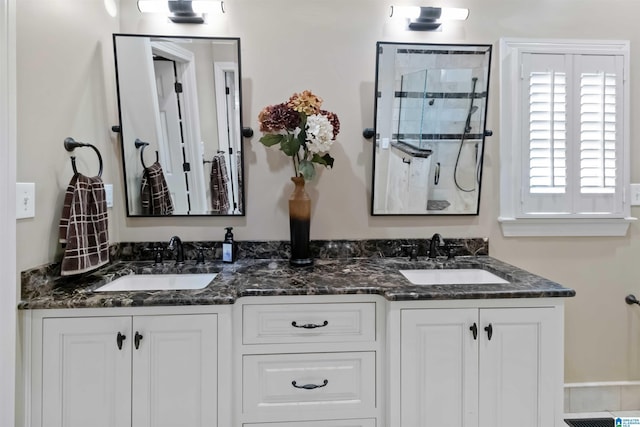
[{"x": 303, "y": 130}]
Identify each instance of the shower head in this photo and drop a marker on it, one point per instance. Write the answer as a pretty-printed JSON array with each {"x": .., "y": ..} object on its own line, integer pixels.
[{"x": 467, "y": 125}]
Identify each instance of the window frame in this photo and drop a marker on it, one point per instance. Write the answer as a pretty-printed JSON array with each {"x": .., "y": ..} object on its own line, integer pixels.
[{"x": 512, "y": 219}]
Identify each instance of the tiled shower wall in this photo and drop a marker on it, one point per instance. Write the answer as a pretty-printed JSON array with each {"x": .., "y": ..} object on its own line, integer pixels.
[{"x": 446, "y": 73}]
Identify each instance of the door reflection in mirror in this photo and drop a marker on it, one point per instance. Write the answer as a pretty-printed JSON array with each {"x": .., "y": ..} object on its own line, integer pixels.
[
  {"x": 181, "y": 95},
  {"x": 430, "y": 128}
]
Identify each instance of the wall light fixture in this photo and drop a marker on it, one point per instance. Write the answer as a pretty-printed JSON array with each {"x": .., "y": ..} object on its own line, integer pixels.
[
  {"x": 182, "y": 11},
  {"x": 428, "y": 18}
]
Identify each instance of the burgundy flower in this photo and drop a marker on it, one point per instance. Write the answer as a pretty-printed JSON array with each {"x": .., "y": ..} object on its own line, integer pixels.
[
  {"x": 275, "y": 118},
  {"x": 333, "y": 119}
]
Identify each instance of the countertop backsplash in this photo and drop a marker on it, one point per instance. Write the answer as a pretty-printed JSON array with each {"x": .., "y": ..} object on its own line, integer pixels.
[{"x": 280, "y": 249}]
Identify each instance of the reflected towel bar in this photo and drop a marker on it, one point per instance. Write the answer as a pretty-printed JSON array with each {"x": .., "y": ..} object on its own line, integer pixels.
[{"x": 70, "y": 144}]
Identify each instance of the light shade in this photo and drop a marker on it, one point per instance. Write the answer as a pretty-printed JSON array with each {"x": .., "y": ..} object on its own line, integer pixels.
[
  {"x": 182, "y": 11},
  {"x": 426, "y": 18}
]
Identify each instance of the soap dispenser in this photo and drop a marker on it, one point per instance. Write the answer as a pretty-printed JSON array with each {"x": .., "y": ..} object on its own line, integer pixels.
[{"x": 228, "y": 247}]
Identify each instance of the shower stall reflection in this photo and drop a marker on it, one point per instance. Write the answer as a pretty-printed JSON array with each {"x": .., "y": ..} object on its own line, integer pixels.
[{"x": 430, "y": 118}]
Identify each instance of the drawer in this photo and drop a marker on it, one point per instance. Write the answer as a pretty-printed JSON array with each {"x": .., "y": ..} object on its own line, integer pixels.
[
  {"x": 310, "y": 385},
  {"x": 369, "y": 422},
  {"x": 308, "y": 323}
]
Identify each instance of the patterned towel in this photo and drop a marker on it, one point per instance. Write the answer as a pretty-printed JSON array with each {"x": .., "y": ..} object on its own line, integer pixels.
[
  {"x": 154, "y": 192},
  {"x": 83, "y": 228},
  {"x": 219, "y": 185}
]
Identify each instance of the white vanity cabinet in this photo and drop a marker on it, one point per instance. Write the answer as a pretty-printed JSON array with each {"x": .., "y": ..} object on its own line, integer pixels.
[
  {"x": 461, "y": 365},
  {"x": 298, "y": 361},
  {"x": 309, "y": 361},
  {"x": 112, "y": 368}
]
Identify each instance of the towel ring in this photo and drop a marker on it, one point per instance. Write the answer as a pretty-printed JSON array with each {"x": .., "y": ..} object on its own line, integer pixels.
[
  {"x": 141, "y": 144},
  {"x": 70, "y": 144}
]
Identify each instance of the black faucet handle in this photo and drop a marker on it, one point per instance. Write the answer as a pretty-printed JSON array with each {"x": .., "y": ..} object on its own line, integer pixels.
[
  {"x": 200, "y": 255},
  {"x": 451, "y": 249},
  {"x": 413, "y": 251},
  {"x": 158, "y": 254}
]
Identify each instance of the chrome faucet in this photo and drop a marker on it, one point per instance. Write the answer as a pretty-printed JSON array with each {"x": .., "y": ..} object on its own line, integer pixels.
[
  {"x": 176, "y": 243},
  {"x": 436, "y": 240}
]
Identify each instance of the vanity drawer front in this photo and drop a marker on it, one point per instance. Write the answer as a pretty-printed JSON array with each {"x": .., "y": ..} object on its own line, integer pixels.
[
  {"x": 308, "y": 323},
  {"x": 309, "y": 385},
  {"x": 369, "y": 422}
]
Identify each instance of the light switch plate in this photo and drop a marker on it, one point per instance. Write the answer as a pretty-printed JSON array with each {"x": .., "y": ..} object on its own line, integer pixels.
[
  {"x": 25, "y": 200},
  {"x": 635, "y": 194}
]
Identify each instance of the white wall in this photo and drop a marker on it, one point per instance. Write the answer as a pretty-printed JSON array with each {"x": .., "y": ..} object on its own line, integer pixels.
[
  {"x": 8, "y": 287},
  {"x": 66, "y": 87}
]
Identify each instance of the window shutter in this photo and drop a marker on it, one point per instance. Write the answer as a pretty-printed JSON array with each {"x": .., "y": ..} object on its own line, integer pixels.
[
  {"x": 570, "y": 128},
  {"x": 547, "y": 132},
  {"x": 599, "y": 83},
  {"x": 544, "y": 163},
  {"x": 597, "y": 132}
]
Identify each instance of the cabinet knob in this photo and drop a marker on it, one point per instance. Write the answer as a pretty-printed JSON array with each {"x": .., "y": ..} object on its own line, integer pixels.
[
  {"x": 489, "y": 330},
  {"x": 119, "y": 339},
  {"x": 136, "y": 339},
  {"x": 474, "y": 330}
]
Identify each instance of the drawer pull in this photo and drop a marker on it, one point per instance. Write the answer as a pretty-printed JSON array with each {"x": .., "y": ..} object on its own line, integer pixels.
[
  {"x": 309, "y": 325},
  {"x": 310, "y": 386}
]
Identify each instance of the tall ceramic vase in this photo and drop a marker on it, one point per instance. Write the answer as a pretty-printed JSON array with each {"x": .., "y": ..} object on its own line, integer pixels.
[{"x": 300, "y": 223}]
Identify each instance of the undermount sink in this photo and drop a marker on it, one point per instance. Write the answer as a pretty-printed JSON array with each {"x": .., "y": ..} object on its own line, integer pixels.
[
  {"x": 452, "y": 277},
  {"x": 158, "y": 282}
]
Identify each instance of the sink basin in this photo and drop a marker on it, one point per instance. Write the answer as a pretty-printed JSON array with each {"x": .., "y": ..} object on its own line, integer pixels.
[
  {"x": 158, "y": 282},
  {"x": 452, "y": 277}
]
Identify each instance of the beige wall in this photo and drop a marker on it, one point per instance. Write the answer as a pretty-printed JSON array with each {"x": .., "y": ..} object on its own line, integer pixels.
[{"x": 66, "y": 87}]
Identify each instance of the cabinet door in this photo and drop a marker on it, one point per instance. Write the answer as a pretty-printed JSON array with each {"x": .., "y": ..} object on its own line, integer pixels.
[
  {"x": 175, "y": 371},
  {"x": 517, "y": 367},
  {"x": 439, "y": 368},
  {"x": 86, "y": 377}
]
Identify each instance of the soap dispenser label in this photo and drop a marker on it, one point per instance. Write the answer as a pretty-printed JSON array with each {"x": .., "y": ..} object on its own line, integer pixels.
[{"x": 227, "y": 252}]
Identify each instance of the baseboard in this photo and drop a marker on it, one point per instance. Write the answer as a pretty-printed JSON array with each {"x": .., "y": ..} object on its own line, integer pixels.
[{"x": 602, "y": 396}]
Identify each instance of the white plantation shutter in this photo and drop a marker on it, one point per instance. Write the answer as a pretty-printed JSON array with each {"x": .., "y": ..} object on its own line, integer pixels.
[
  {"x": 573, "y": 146},
  {"x": 547, "y": 132}
]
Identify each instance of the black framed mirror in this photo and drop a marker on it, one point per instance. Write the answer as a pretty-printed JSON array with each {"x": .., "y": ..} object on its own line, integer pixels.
[
  {"x": 179, "y": 101},
  {"x": 429, "y": 129}
]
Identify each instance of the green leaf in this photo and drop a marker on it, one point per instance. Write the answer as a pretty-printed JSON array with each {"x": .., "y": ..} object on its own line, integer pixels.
[
  {"x": 271, "y": 139},
  {"x": 325, "y": 160},
  {"x": 290, "y": 145},
  {"x": 302, "y": 137},
  {"x": 307, "y": 170}
]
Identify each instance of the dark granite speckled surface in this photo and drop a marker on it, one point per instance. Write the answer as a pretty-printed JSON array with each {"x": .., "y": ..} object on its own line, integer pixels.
[{"x": 340, "y": 267}]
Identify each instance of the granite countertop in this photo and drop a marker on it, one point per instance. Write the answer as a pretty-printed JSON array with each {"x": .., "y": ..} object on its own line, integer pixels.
[{"x": 266, "y": 277}]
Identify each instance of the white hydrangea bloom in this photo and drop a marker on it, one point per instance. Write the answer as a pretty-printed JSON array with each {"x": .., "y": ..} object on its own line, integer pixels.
[{"x": 319, "y": 133}]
